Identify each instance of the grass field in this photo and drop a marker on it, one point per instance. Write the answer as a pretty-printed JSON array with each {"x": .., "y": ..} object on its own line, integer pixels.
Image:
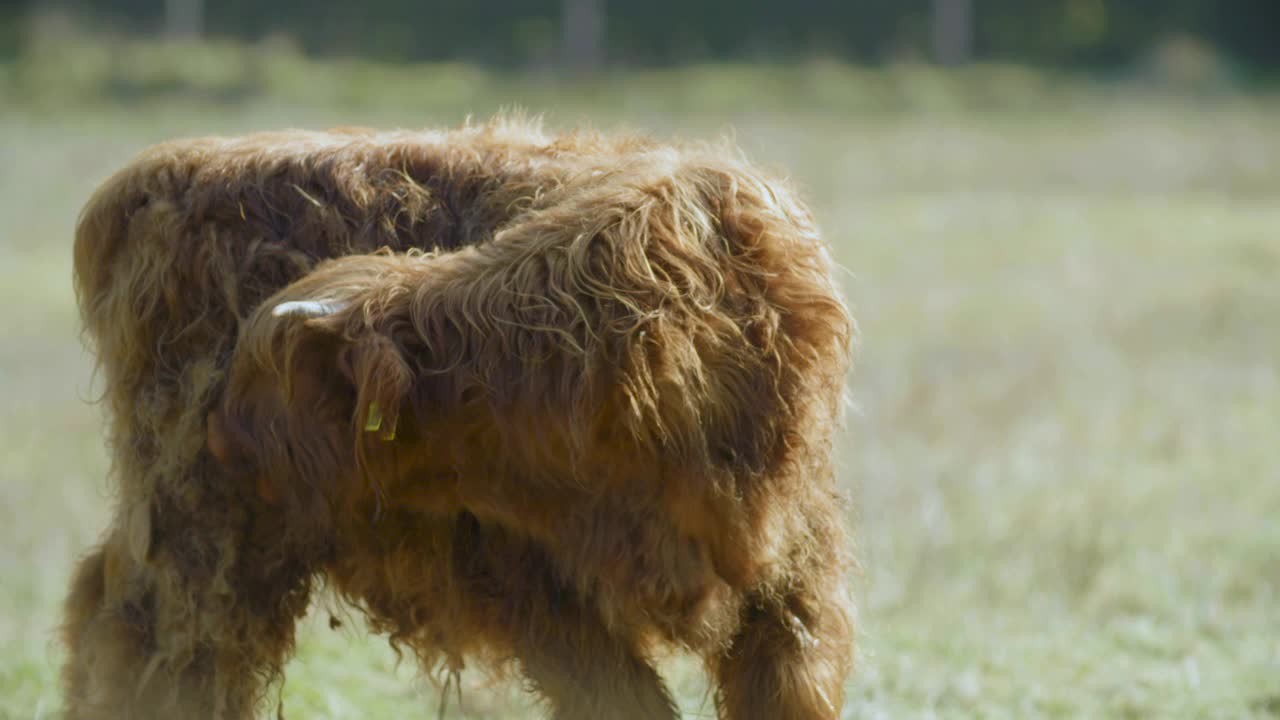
[{"x": 1068, "y": 395}]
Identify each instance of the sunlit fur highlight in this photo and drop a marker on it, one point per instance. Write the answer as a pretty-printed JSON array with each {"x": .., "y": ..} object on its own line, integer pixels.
[{"x": 613, "y": 369}]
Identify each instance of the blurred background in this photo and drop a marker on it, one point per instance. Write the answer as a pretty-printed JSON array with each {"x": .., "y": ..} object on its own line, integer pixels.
[{"x": 1060, "y": 221}]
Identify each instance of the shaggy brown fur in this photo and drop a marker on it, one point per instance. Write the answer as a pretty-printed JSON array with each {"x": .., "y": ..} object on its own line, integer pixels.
[{"x": 606, "y": 395}]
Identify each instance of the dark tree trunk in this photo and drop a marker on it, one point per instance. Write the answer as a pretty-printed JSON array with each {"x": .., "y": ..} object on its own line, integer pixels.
[
  {"x": 582, "y": 28},
  {"x": 184, "y": 18},
  {"x": 952, "y": 31}
]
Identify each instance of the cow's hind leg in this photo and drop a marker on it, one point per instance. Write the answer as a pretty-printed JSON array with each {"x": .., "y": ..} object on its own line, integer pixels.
[{"x": 166, "y": 637}]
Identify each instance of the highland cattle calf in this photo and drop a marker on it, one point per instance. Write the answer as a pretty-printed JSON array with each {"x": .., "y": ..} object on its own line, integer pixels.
[{"x": 547, "y": 404}]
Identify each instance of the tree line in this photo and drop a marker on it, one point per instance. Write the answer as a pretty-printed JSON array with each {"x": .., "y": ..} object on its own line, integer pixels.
[{"x": 1084, "y": 33}]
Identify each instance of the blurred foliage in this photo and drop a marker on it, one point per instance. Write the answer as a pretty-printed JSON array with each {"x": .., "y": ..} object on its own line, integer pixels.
[
  {"x": 63, "y": 64},
  {"x": 1079, "y": 33}
]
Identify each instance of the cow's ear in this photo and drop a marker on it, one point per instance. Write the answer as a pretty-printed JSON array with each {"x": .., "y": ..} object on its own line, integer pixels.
[
  {"x": 382, "y": 378},
  {"x": 232, "y": 456},
  {"x": 371, "y": 363}
]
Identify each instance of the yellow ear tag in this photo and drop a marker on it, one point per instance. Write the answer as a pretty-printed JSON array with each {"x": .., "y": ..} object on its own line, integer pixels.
[{"x": 373, "y": 423}]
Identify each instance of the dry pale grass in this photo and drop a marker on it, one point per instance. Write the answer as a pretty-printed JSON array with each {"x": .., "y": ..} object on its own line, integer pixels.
[{"x": 1068, "y": 397}]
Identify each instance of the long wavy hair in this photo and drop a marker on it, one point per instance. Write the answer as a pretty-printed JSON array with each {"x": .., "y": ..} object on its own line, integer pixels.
[{"x": 592, "y": 368}]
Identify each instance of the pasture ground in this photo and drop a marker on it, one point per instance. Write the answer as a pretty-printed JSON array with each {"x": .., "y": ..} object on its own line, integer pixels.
[{"x": 1063, "y": 453}]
